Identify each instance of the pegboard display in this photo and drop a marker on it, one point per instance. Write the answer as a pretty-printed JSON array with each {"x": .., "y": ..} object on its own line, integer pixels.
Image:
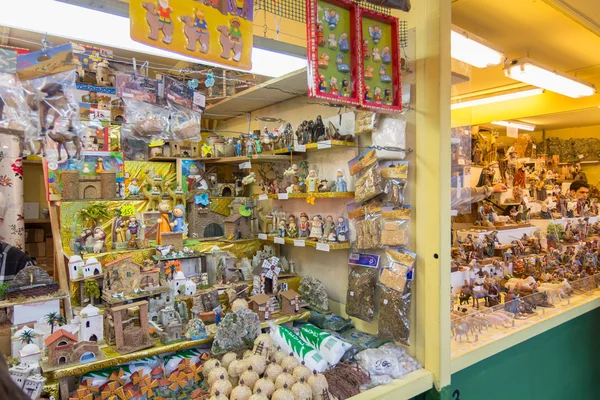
[{"x": 296, "y": 9}]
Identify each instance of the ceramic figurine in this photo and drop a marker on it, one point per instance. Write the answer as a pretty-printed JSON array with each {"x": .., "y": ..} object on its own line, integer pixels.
[
  {"x": 323, "y": 186},
  {"x": 319, "y": 133},
  {"x": 369, "y": 72},
  {"x": 164, "y": 224},
  {"x": 333, "y": 84},
  {"x": 343, "y": 42},
  {"x": 377, "y": 94},
  {"x": 316, "y": 228},
  {"x": 275, "y": 189},
  {"x": 368, "y": 94},
  {"x": 206, "y": 150},
  {"x": 341, "y": 65},
  {"x": 385, "y": 78},
  {"x": 340, "y": 182},
  {"x": 178, "y": 223},
  {"x": 328, "y": 228},
  {"x": 341, "y": 229},
  {"x": 376, "y": 56},
  {"x": 332, "y": 18},
  {"x": 134, "y": 188},
  {"x": 322, "y": 85},
  {"x": 324, "y": 60},
  {"x": 100, "y": 240},
  {"x": 292, "y": 227},
  {"x": 304, "y": 225},
  {"x": 312, "y": 181},
  {"x": 366, "y": 50},
  {"x": 345, "y": 89},
  {"x": 238, "y": 148},
  {"x": 332, "y": 41},
  {"x": 99, "y": 165},
  {"x": 86, "y": 169},
  {"x": 386, "y": 58},
  {"x": 282, "y": 228},
  {"x": 134, "y": 227},
  {"x": 320, "y": 35},
  {"x": 81, "y": 241},
  {"x": 375, "y": 33},
  {"x": 387, "y": 97},
  {"x": 250, "y": 146}
]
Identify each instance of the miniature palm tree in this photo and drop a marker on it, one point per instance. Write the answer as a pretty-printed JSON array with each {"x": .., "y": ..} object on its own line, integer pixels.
[
  {"x": 52, "y": 319},
  {"x": 93, "y": 214},
  {"x": 92, "y": 289},
  {"x": 3, "y": 287},
  {"x": 28, "y": 336}
]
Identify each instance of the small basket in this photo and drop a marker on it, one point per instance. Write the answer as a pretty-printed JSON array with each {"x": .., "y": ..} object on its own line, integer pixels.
[
  {"x": 185, "y": 127},
  {"x": 148, "y": 127}
]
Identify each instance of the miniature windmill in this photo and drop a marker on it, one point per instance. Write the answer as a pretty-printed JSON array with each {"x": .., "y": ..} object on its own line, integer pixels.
[
  {"x": 82, "y": 394},
  {"x": 198, "y": 394},
  {"x": 179, "y": 379},
  {"x": 195, "y": 371},
  {"x": 147, "y": 385},
  {"x": 112, "y": 391}
]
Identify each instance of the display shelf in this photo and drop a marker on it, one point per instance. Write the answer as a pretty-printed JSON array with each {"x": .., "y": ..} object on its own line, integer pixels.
[
  {"x": 37, "y": 221},
  {"x": 407, "y": 387},
  {"x": 257, "y": 159},
  {"x": 167, "y": 159},
  {"x": 495, "y": 341},
  {"x": 60, "y": 295},
  {"x": 260, "y": 96},
  {"x": 543, "y": 223},
  {"x": 322, "y": 195},
  {"x": 307, "y": 243},
  {"x": 113, "y": 358},
  {"x": 320, "y": 146}
]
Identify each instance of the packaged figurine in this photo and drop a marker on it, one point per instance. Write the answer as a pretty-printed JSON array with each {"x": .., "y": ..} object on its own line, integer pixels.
[
  {"x": 394, "y": 175},
  {"x": 363, "y": 270},
  {"x": 369, "y": 182}
]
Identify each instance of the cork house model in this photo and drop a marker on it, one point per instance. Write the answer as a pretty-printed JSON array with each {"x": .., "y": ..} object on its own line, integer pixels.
[
  {"x": 127, "y": 326},
  {"x": 290, "y": 302},
  {"x": 237, "y": 226},
  {"x": 31, "y": 281},
  {"x": 124, "y": 275},
  {"x": 261, "y": 305},
  {"x": 63, "y": 348}
]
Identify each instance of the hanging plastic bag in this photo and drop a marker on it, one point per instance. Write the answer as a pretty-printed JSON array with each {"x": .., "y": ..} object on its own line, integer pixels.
[
  {"x": 390, "y": 133},
  {"x": 395, "y": 226},
  {"x": 365, "y": 225},
  {"x": 363, "y": 270},
  {"x": 395, "y": 175},
  {"x": 185, "y": 124},
  {"x": 368, "y": 177},
  {"x": 145, "y": 121},
  {"x": 14, "y": 111},
  {"x": 48, "y": 80}
]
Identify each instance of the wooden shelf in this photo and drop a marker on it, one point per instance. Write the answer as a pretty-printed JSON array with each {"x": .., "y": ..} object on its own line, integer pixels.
[
  {"x": 407, "y": 387},
  {"x": 308, "y": 243},
  {"x": 321, "y": 195},
  {"x": 319, "y": 146},
  {"x": 37, "y": 221},
  {"x": 260, "y": 96},
  {"x": 255, "y": 159},
  {"x": 170, "y": 159}
]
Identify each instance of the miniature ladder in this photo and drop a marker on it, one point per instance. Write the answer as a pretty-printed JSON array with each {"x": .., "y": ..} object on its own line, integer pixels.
[{"x": 275, "y": 305}]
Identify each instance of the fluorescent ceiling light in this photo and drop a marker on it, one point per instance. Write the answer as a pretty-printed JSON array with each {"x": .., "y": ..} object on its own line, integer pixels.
[
  {"x": 533, "y": 73},
  {"x": 75, "y": 23},
  {"x": 495, "y": 99},
  {"x": 519, "y": 125},
  {"x": 473, "y": 50}
]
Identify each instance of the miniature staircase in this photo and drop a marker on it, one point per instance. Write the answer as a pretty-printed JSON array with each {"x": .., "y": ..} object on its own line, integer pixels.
[{"x": 275, "y": 305}]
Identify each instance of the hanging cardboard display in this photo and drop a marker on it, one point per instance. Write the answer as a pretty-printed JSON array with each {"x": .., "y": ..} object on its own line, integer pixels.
[
  {"x": 218, "y": 31},
  {"x": 379, "y": 70},
  {"x": 332, "y": 34}
]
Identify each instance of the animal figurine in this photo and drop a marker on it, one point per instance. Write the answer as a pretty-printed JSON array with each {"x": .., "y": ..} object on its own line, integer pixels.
[
  {"x": 159, "y": 19},
  {"x": 99, "y": 244},
  {"x": 196, "y": 31}
]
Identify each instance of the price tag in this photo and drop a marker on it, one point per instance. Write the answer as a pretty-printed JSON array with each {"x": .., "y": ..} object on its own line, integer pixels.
[
  {"x": 282, "y": 196},
  {"x": 262, "y": 236},
  {"x": 299, "y": 243},
  {"x": 279, "y": 240},
  {"x": 322, "y": 246},
  {"x": 453, "y": 213},
  {"x": 326, "y": 144},
  {"x": 301, "y": 148},
  {"x": 263, "y": 196},
  {"x": 245, "y": 165},
  {"x": 512, "y": 131},
  {"x": 128, "y": 95}
]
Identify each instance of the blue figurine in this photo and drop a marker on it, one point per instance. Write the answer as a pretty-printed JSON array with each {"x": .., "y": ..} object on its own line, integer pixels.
[
  {"x": 386, "y": 58},
  {"x": 375, "y": 33},
  {"x": 341, "y": 229},
  {"x": 238, "y": 148},
  {"x": 341, "y": 65},
  {"x": 385, "y": 78},
  {"x": 332, "y": 18},
  {"x": 217, "y": 311},
  {"x": 340, "y": 182},
  {"x": 178, "y": 223},
  {"x": 343, "y": 42}
]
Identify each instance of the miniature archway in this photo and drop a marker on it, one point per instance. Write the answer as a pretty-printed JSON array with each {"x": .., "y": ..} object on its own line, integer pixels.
[{"x": 87, "y": 357}]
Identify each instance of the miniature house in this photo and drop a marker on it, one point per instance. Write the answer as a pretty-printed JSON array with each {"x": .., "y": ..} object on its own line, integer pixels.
[
  {"x": 92, "y": 326},
  {"x": 261, "y": 305},
  {"x": 124, "y": 275},
  {"x": 20, "y": 373},
  {"x": 290, "y": 302},
  {"x": 76, "y": 265},
  {"x": 102, "y": 186},
  {"x": 17, "y": 343},
  {"x": 30, "y": 355},
  {"x": 63, "y": 348},
  {"x": 190, "y": 288},
  {"x": 34, "y": 385},
  {"x": 178, "y": 283},
  {"x": 130, "y": 330},
  {"x": 172, "y": 333},
  {"x": 266, "y": 275},
  {"x": 237, "y": 227},
  {"x": 168, "y": 315},
  {"x": 92, "y": 267},
  {"x": 31, "y": 281}
]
